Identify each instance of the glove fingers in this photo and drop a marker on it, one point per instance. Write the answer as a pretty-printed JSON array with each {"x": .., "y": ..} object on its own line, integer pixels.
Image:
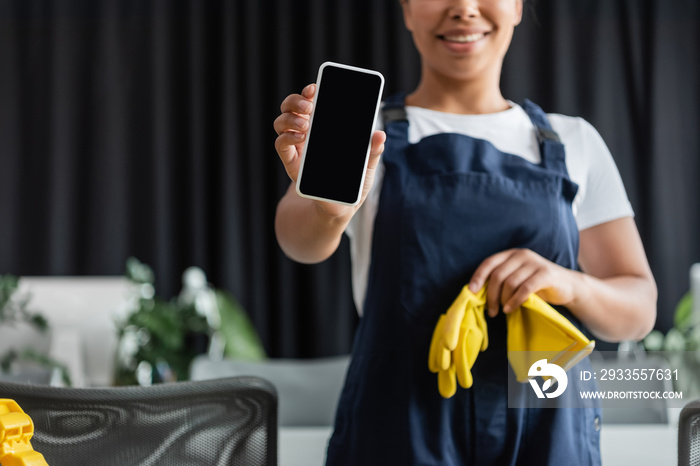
[
  {"x": 473, "y": 345},
  {"x": 435, "y": 353},
  {"x": 447, "y": 385},
  {"x": 481, "y": 323},
  {"x": 464, "y": 376},
  {"x": 453, "y": 321},
  {"x": 444, "y": 359},
  {"x": 460, "y": 334},
  {"x": 470, "y": 349}
]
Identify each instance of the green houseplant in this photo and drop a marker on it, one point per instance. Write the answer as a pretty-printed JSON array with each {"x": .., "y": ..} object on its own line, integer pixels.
[
  {"x": 159, "y": 339},
  {"x": 681, "y": 346}
]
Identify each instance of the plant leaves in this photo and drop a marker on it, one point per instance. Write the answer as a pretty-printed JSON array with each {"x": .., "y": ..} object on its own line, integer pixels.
[
  {"x": 242, "y": 340},
  {"x": 138, "y": 272},
  {"x": 683, "y": 316},
  {"x": 39, "y": 322}
]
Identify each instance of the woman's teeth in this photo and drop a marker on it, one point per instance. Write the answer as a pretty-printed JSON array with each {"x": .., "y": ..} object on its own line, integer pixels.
[{"x": 464, "y": 38}]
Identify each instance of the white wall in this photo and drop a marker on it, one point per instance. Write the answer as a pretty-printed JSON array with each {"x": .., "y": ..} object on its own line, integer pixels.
[{"x": 81, "y": 312}]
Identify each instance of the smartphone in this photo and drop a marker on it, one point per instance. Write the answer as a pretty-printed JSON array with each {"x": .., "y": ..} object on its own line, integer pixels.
[{"x": 336, "y": 151}]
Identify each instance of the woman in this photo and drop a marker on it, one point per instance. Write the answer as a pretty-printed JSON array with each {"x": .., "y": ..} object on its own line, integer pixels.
[{"x": 471, "y": 189}]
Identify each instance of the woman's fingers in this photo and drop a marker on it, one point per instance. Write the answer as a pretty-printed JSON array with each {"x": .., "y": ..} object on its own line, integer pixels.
[
  {"x": 515, "y": 274},
  {"x": 483, "y": 271},
  {"x": 291, "y": 122},
  {"x": 292, "y": 126},
  {"x": 529, "y": 284},
  {"x": 517, "y": 283},
  {"x": 289, "y": 146},
  {"x": 301, "y": 104},
  {"x": 497, "y": 284},
  {"x": 296, "y": 113},
  {"x": 376, "y": 149},
  {"x": 489, "y": 270}
]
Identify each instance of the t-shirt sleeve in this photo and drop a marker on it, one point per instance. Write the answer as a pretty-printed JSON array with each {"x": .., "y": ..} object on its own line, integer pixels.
[{"x": 604, "y": 198}]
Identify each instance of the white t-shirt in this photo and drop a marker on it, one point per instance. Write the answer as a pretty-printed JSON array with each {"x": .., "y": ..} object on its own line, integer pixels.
[{"x": 601, "y": 196}]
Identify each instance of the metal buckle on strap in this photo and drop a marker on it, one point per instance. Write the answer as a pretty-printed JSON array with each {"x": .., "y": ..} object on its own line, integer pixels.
[
  {"x": 394, "y": 114},
  {"x": 544, "y": 134}
]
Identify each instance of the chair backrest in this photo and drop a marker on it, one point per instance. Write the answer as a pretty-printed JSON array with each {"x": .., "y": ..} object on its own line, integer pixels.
[
  {"x": 689, "y": 435},
  {"x": 231, "y": 421},
  {"x": 655, "y": 411},
  {"x": 308, "y": 389}
]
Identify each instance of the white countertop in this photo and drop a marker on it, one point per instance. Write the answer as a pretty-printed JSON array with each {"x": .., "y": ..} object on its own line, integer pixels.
[
  {"x": 303, "y": 446},
  {"x": 621, "y": 444}
]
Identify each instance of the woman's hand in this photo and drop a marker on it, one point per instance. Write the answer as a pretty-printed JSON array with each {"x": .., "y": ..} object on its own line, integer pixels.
[
  {"x": 309, "y": 231},
  {"x": 514, "y": 274},
  {"x": 292, "y": 127},
  {"x": 614, "y": 295}
]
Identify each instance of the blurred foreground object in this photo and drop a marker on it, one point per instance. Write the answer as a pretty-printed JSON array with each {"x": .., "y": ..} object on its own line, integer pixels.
[
  {"x": 16, "y": 430},
  {"x": 231, "y": 421},
  {"x": 689, "y": 435}
]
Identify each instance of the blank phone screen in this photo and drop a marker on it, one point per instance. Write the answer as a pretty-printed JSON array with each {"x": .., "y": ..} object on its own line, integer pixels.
[{"x": 340, "y": 134}]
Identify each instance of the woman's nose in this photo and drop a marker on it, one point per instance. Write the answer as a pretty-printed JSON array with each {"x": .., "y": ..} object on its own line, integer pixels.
[{"x": 463, "y": 9}]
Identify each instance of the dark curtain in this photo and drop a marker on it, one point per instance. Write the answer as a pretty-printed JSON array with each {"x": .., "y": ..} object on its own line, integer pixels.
[{"x": 144, "y": 128}]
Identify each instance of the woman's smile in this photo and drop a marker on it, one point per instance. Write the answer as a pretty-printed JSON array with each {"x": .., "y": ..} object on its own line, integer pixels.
[{"x": 461, "y": 41}]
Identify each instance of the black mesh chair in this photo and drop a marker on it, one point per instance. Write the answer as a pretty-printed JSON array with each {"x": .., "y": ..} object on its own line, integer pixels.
[
  {"x": 689, "y": 435},
  {"x": 230, "y": 421}
]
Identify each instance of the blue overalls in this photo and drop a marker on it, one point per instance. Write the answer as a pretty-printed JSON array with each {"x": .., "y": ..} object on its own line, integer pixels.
[{"x": 448, "y": 202}]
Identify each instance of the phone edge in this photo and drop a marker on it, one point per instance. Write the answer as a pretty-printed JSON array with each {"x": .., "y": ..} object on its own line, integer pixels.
[{"x": 319, "y": 78}]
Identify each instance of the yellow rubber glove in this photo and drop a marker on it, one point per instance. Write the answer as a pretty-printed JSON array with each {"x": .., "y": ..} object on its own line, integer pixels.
[
  {"x": 459, "y": 336},
  {"x": 533, "y": 329},
  {"x": 536, "y": 331}
]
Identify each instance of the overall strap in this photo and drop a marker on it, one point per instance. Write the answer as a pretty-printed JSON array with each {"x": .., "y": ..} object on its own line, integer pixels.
[
  {"x": 394, "y": 116},
  {"x": 551, "y": 148}
]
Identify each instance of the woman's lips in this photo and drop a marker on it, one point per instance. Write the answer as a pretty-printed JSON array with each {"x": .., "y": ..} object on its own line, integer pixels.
[
  {"x": 463, "y": 38},
  {"x": 462, "y": 43}
]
